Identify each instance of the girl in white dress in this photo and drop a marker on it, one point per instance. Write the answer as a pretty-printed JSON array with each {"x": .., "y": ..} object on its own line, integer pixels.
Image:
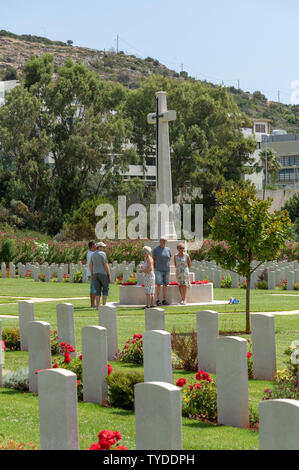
[{"x": 149, "y": 276}]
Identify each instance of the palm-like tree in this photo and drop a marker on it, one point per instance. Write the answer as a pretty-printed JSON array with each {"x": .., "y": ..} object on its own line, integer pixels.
[{"x": 270, "y": 165}]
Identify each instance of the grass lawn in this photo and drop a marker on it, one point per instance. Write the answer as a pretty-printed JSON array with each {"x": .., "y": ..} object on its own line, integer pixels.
[{"x": 19, "y": 412}]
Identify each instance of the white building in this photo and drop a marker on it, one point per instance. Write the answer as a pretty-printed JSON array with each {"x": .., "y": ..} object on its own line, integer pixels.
[
  {"x": 6, "y": 87},
  {"x": 260, "y": 128}
]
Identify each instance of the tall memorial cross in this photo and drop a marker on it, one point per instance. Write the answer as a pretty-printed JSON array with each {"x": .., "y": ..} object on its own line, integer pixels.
[{"x": 163, "y": 166}]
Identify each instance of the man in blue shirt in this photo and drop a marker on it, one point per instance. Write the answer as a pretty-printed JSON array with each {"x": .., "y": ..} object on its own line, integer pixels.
[
  {"x": 91, "y": 250},
  {"x": 161, "y": 257}
]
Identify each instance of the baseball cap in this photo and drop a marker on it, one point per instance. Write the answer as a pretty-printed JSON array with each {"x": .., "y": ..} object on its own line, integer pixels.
[{"x": 100, "y": 244}]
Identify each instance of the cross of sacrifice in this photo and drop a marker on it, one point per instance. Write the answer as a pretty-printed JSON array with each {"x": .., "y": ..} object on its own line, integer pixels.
[{"x": 163, "y": 165}]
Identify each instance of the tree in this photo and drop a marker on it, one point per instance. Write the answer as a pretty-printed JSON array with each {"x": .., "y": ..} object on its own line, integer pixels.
[
  {"x": 269, "y": 164},
  {"x": 292, "y": 206},
  {"x": 250, "y": 232},
  {"x": 72, "y": 117},
  {"x": 25, "y": 146}
]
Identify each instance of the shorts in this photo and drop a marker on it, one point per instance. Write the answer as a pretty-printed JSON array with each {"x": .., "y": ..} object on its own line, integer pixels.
[
  {"x": 92, "y": 287},
  {"x": 101, "y": 283},
  {"x": 162, "y": 278}
]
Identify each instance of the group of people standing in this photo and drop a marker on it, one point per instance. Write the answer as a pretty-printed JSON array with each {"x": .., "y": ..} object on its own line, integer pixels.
[{"x": 156, "y": 270}]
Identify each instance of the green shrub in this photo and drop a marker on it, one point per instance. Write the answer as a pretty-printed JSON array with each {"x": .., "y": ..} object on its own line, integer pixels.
[
  {"x": 226, "y": 283},
  {"x": 11, "y": 338},
  {"x": 121, "y": 388},
  {"x": 296, "y": 286},
  {"x": 7, "y": 251},
  {"x": 199, "y": 397},
  {"x": 262, "y": 285},
  {"x": 185, "y": 347},
  {"x": 77, "y": 278},
  {"x": 17, "y": 379}
]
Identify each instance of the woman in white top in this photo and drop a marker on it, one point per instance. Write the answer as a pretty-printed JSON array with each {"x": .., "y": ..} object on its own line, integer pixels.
[
  {"x": 182, "y": 264},
  {"x": 149, "y": 276}
]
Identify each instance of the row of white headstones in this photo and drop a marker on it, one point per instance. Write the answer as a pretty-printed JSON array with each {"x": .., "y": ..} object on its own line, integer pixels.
[
  {"x": 277, "y": 272},
  {"x": 125, "y": 269},
  {"x": 157, "y": 400}
]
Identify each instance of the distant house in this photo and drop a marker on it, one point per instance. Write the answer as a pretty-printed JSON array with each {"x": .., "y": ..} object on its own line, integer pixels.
[
  {"x": 260, "y": 129},
  {"x": 6, "y": 86}
]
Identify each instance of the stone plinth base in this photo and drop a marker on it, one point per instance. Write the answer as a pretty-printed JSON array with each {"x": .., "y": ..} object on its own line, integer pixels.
[{"x": 196, "y": 293}]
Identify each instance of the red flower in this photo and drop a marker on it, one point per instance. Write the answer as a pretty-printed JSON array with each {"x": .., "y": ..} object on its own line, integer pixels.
[
  {"x": 199, "y": 375},
  {"x": 78, "y": 382},
  {"x": 106, "y": 445},
  {"x": 67, "y": 358},
  {"x": 3, "y": 345},
  {"x": 181, "y": 382},
  {"x": 205, "y": 376},
  {"x": 80, "y": 357},
  {"x": 120, "y": 448},
  {"x": 95, "y": 446},
  {"x": 55, "y": 366},
  {"x": 109, "y": 368},
  {"x": 249, "y": 354},
  {"x": 191, "y": 387},
  {"x": 198, "y": 386}
]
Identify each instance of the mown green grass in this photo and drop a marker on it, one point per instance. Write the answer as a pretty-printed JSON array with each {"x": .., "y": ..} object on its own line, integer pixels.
[{"x": 19, "y": 412}]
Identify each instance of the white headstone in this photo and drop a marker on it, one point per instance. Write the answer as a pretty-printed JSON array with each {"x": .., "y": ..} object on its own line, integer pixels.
[
  {"x": 108, "y": 320},
  {"x": 65, "y": 324},
  {"x": 232, "y": 381},
  {"x": 157, "y": 356},
  {"x": 94, "y": 364},
  {"x": 58, "y": 410},
  {"x": 207, "y": 334},
  {"x": 263, "y": 346},
  {"x": 26, "y": 315},
  {"x": 155, "y": 319},
  {"x": 39, "y": 348},
  {"x": 158, "y": 416},
  {"x": 279, "y": 424}
]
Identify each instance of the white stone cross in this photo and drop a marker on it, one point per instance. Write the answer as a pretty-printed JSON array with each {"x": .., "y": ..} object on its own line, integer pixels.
[{"x": 163, "y": 166}]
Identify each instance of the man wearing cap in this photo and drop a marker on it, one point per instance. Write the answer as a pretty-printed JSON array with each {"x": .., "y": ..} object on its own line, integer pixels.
[
  {"x": 161, "y": 257},
  {"x": 91, "y": 250},
  {"x": 100, "y": 273}
]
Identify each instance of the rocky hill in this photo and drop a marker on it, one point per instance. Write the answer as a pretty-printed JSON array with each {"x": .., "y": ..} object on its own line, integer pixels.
[
  {"x": 126, "y": 69},
  {"x": 15, "y": 50}
]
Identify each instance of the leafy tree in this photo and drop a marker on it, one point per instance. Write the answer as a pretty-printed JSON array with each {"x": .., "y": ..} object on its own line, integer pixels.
[
  {"x": 292, "y": 206},
  {"x": 269, "y": 164},
  {"x": 26, "y": 146},
  {"x": 75, "y": 120},
  {"x": 250, "y": 232},
  {"x": 207, "y": 145}
]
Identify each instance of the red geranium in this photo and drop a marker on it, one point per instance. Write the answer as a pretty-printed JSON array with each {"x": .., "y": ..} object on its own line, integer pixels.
[
  {"x": 181, "y": 382},
  {"x": 249, "y": 355},
  {"x": 109, "y": 368},
  {"x": 107, "y": 439}
]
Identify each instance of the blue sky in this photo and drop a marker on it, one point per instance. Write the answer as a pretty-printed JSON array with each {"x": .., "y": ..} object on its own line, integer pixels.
[{"x": 255, "y": 42}]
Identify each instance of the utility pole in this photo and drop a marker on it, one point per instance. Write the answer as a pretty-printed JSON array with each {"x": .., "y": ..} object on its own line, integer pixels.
[
  {"x": 117, "y": 37},
  {"x": 238, "y": 84},
  {"x": 278, "y": 95}
]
